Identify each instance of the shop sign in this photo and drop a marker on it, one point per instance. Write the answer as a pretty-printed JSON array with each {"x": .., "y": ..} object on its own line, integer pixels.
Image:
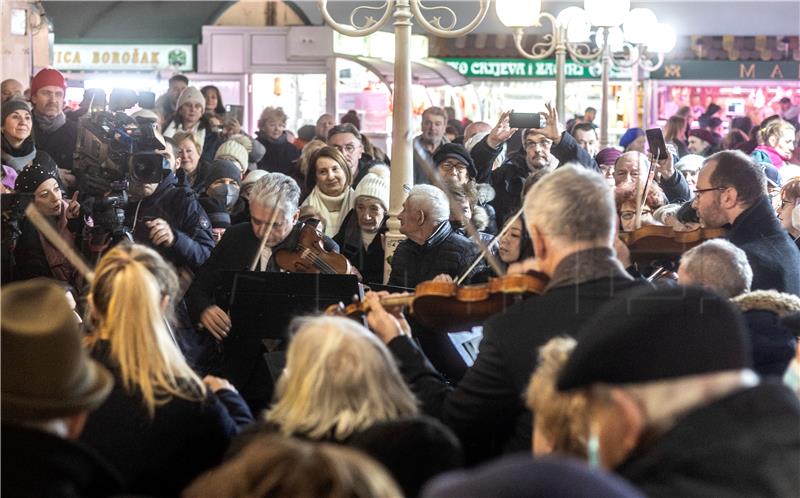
[
  {"x": 526, "y": 69},
  {"x": 728, "y": 70},
  {"x": 86, "y": 57}
]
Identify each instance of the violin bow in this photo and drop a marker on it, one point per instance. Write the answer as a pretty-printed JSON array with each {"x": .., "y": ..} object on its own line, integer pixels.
[
  {"x": 266, "y": 234},
  {"x": 49, "y": 233},
  {"x": 471, "y": 231},
  {"x": 494, "y": 241}
]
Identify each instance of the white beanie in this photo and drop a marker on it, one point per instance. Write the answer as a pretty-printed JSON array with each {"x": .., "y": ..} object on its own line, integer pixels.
[
  {"x": 234, "y": 151},
  {"x": 191, "y": 94},
  {"x": 690, "y": 162},
  {"x": 253, "y": 176},
  {"x": 375, "y": 184}
]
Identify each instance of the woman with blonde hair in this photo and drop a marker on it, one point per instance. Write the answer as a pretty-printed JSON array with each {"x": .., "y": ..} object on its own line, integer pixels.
[
  {"x": 281, "y": 155},
  {"x": 329, "y": 181},
  {"x": 161, "y": 426},
  {"x": 777, "y": 144}
]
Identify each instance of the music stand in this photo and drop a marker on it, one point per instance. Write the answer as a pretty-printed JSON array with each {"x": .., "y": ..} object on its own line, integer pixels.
[{"x": 262, "y": 304}]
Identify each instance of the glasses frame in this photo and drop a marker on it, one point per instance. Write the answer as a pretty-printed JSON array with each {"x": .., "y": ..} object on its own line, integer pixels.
[{"x": 699, "y": 191}]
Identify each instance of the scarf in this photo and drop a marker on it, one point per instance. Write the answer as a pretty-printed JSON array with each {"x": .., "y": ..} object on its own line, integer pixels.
[
  {"x": 199, "y": 132},
  {"x": 48, "y": 124},
  {"x": 775, "y": 158},
  {"x": 18, "y": 158},
  {"x": 61, "y": 268},
  {"x": 587, "y": 265},
  {"x": 331, "y": 209}
]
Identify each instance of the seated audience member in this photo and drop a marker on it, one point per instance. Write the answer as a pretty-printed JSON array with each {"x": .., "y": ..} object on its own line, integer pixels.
[
  {"x": 193, "y": 169},
  {"x": 717, "y": 265},
  {"x": 350, "y": 391},
  {"x": 606, "y": 159},
  {"x": 34, "y": 255},
  {"x": 560, "y": 422},
  {"x": 701, "y": 142},
  {"x": 328, "y": 181},
  {"x": 190, "y": 116},
  {"x": 360, "y": 238},
  {"x": 633, "y": 140},
  {"x": 350, "y": 142},
  {"x": 432, "y": 246},
  {"x": 689, "y": 165},
  {"x": 789, "y": 210},
  {"x": 280, "y": 154},
  {"x": 279, "y": 467},
  {"x": 633, "y": 167},
  {"x": 520, "y": 475},
  {"x": 731, "y": 190},
  {"x": 574, "y": 248},
  {"x": 651, "y": 395},
  {"x": 49, "y": 387},
  {"x": 162, "y": 425}
]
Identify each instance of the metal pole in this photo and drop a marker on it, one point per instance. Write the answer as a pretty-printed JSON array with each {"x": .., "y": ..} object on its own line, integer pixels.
[
  {"x": 402, "y": 156},
  {"x": 634, "y": 109},
  {"x": 561, "y": 71},
  {"x": 646, "y": 93},
  {"x": 604, "y": 81}
]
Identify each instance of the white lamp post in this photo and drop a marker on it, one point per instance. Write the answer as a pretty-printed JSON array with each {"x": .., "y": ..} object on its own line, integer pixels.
[{"x": 403, "y": 11}]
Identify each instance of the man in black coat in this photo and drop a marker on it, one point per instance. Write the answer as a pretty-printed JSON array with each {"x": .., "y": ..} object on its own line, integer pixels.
[
  {"x": 731, "y": 192},
  {"x": 432, "y": 246},
  {"x": 53, "y": 132},
  {"x": 673, "y": 404},
  {"x": 574, "y": 248}
]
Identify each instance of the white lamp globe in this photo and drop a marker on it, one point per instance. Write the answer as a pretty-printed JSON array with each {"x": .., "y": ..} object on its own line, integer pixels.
[
  {"x": 518, "y": 13},
  {"x": 616, "y": 40},
  {"x": 639, "y": 25},
  {"x": 575, "y": 20},
  {"x": 606, "y": 13},
  {"x": 663, "y": 39}
]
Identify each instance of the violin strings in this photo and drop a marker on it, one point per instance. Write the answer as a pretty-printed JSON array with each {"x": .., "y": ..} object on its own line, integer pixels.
[{"x": 316, "y": 261}]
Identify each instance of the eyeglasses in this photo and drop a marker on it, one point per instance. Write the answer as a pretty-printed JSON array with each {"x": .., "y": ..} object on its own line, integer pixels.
[
  {"x": 701, "y": 190},
  {"x": 447, "y": 166},
  {"x": 349, "y": 148},
  {"x": 544, "y": 144}
]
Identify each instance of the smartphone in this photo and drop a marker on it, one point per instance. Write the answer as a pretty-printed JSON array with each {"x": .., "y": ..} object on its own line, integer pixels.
[
  {"x": 655, "y": 140},
  {"x": 234, "y": 112},
  {"x": 525, "y": 120}
]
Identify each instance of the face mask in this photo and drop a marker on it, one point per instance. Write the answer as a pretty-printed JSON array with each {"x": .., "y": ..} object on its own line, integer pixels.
[{"x": 226, "y": 194}]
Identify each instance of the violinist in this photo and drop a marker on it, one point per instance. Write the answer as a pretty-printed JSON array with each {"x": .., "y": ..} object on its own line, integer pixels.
[
  {"x": 731, "y": 190},
  {"x": 241, "y": 242},
  {"x": 573, "y": 242}
]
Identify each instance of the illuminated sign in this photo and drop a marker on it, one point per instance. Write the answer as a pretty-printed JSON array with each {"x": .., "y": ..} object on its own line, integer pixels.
[
  {"x": 84, "y": 57},
  {"x": 526, "y": 69}
]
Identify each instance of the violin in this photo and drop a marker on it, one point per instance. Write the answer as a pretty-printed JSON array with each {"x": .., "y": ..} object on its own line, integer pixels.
[
  {"x": 449, "y": 307},
  {"x": 310, "y": 256},
  {"x": 658, "y": 242}
]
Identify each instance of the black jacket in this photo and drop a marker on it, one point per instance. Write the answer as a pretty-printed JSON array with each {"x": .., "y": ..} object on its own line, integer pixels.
[
  {"x": 445, "y": 251},
  {"x": 369, "y": 261},
  {"x": 60, "y": 144},
  {"x": 773, "y": 256},
  {"x": 488, "y": 400},
  {"x": 159, "y": 456},
  {"x": 200, "y": 183},
  {"x": 178, "y": 206},
  {"x": 41, "y": 465},
  {"x": 745, "y": 445},
  {"x": 281, "y": 157}
]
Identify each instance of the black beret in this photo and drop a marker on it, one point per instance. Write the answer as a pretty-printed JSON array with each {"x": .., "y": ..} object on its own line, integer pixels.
[
  {"x": 457, "y": 152},
  {"x": 33, "y": 175},
  {"x": 654, "y": 334},
  {"x": 222, "y": 168}
]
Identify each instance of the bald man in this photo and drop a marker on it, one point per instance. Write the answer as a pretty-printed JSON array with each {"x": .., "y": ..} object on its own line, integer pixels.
[{"x": 10, "y": 88}]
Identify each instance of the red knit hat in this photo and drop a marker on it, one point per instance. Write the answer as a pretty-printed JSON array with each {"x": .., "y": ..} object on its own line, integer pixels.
[{"x": 47, "y": 77}]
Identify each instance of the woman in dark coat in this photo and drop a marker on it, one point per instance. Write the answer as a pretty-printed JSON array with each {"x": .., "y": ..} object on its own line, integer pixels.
[
  {"x": 281, "y": 156},
  {"x": 161, "y": 426}
]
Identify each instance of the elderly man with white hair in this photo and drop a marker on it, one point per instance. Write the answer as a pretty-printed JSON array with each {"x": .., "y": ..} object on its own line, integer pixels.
[
  {"x": 717, "y": 265},
  {"x": 432, "y": 246},
  {"x": 573, "y": 243}
]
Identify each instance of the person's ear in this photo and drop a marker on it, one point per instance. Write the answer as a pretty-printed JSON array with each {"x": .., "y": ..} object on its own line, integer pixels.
[
  {"x": 729, "y": 198},
  {"x": 421, "y": 217},
  {"x": 75, "y": 425},
  {"x": 295, "y": 217},
  {"x": 164, "y": 304},
  {"x": 539, "y": 245},
  {"x": 631, "y": 419}
]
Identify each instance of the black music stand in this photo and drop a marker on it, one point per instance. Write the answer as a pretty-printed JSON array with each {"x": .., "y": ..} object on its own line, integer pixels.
[{"x": 262, "y": 304}]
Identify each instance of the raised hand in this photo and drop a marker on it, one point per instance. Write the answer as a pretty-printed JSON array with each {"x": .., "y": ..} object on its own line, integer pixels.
[{"x": 501, "y": 132}]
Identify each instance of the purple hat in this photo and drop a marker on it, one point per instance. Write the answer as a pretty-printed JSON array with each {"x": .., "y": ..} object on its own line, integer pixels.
[
  {"x": 609, "y": 155},
  {"x": 702, "y": 134}
]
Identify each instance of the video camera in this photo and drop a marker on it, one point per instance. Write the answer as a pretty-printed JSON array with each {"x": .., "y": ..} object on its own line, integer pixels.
[{"x": 113, "y": 150}]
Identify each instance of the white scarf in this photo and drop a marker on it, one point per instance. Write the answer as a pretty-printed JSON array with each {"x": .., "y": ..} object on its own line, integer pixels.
[
  {"x": 200, "y": 133},
  {"x": 327, "y": 207}
]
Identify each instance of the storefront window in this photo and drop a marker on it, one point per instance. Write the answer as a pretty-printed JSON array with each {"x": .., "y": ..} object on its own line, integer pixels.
[{"x": 302, "y": 97}]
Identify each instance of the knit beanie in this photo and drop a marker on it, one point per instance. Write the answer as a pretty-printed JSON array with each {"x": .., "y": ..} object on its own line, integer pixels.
[
  {"x": 15, "y": 104},
  {"x": 375, "y": 184},
  {"x": 609, "y": 155},
  {"x": 47, "y": 77},
  {"x": 222, "y": 168},
  {"x": 244, "y": 140},
  {"x": 191, "y": 94},
  {"x": 630, "y": 135},
  {"x": 32, "y": 176},
  {"x": 233, "y": 151},
  {"x": 690, "y": 162}
]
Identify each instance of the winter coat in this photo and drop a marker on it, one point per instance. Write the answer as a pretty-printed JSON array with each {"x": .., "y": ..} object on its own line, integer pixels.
[
  {"x": 211, "y": 139},
  {"x": 281, "y": 157},
  {"x": 746, "y": 445},
  {"x": 369, "y": 260},
  {"x": 445, "y": 251},
  {"x": 772, "y": 254},
  {"x": 178, "y": 206},
  {"x": 200, "y": 184},
  {"x": 60, "y": 144}
]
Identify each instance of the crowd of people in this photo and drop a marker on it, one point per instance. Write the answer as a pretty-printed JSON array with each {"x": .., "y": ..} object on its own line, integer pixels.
[{"x": 610, "y": 381}]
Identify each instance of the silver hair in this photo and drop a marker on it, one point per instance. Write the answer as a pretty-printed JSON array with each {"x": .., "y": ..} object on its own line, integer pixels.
[
  {"x": 572, "y": 203},
  {"x": 432, "y": 201},
  {"x": 720, "y": 266},
  {"x": 276, "y": 188}
]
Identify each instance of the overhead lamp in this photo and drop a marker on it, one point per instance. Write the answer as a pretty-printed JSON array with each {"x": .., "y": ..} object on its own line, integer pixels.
[
  {"x": 575, "y": 20},
  {"x": 662, "y": 39},
  {"x": 518, "y": 13},
  {"x": 606, "y": 13},
  {"x": 639, "y": 25}
]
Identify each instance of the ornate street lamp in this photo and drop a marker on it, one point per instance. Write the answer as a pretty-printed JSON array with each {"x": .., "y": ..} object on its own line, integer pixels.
[{"x": 402, "y": 11}]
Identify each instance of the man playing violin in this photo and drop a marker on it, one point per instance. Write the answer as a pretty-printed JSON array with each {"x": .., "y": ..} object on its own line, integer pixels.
[
  {"x": 573, "y": 244},
  {"x": 731, "y": 191}
]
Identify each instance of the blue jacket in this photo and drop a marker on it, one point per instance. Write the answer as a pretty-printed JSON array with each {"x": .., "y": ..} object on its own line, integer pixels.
[{"x": 178, "y": 206}]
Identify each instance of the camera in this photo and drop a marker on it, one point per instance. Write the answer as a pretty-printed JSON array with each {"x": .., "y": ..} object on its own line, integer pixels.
[{"x": 113, "y": 150}]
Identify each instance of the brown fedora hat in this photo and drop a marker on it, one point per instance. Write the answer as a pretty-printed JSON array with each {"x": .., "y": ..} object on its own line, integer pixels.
[{"x": 46, "y": 373}]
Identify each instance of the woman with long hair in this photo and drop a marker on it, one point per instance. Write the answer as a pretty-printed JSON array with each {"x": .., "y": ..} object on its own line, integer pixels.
[
  {"x": 162, "y": 425},
  {"x": 213, "y": 98},
  {"x": 328, "y": 180},
  {"x": 675, "y": 134},
  {"x": 193, "y": 169}
]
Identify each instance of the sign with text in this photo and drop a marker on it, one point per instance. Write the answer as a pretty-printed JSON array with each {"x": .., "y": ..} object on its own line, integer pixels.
[
  {"x": 728, "y": 70},
  {"x": 86, "y": 57},
  {"x": 527, "y": 69}
]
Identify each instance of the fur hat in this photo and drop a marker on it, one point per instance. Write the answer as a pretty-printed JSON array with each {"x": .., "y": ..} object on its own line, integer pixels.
[
  {"x": 234, "y": 151},
  {"x": 46, "y": 372},
  {"x": 47, "y": 77},
  {"x": 375, "y": 184},
  {"x": 191, "y": 94}
]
